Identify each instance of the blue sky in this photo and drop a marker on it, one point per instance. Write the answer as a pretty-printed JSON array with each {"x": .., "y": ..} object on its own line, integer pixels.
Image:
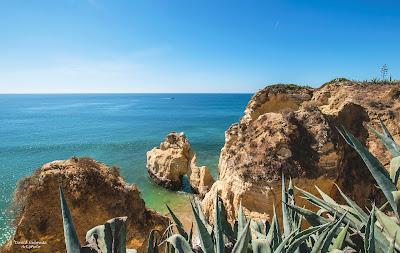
[{"x": 192, "y": 46}]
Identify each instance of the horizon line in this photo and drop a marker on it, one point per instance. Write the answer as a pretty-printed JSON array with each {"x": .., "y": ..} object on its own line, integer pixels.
[{"x": 119, "y": 93}]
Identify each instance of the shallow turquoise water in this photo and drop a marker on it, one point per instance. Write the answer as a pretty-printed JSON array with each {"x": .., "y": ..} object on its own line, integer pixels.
[{"x": 117, "y": 129}]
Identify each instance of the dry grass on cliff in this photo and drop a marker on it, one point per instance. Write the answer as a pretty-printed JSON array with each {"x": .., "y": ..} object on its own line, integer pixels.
[{"x": 91, "y": 173}]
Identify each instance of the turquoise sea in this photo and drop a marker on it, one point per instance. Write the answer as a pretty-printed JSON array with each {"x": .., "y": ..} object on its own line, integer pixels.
[{"x": 117, "y": 129}]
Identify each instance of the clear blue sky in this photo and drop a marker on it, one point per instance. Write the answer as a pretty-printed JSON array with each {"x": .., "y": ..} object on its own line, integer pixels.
[{"x": 192, "y": 46}]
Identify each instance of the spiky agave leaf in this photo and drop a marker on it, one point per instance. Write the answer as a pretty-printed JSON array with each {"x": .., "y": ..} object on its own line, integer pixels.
[
  {"x": 339, "y": 241},
  {"x": 275, "y": 231},
  {"x": 302, "y": 236},
  {"x": 394, "y": 170},
  {"x": 282, "y": 244},
  {"x": 390, "y": 227},
  {"x": 369, "y": 241},
  {"x": 331, "y": 207},
  {"x": 110, "y": 237},
  {"x": 179, "y": 243},
  {"x": 381, "y": 240},
  {"x": 345, "y": 137},
  {"x": 226, "y": 226},
  {"x": 377, "y": 170},
  {"x": 326, "y": 197},
  {"x": 197, "y": 206},
  {"x": 241, "y": 218},
  {"x": 356, "y": 210},
  {"x": 72, "y": 243},
  {"x": 206, "y": 241},
  {"x": 385, "y": 130},
  {"x": 331, "y": 234},
  {"x": 347, "y": 214},
  {"x": 270, "y": 233},
  {"x": 242, "y": 243},
  {"x": 311, "y": 217},
  {"x": 178, "y": 223},
  {"x": 295, "y": 218},
  {"x": 320, "y": 241},
  {"x": 285, "y": 213},
  {"x": 387, "y": 139},
  {"x": 219, "y": 240},
  {"x": 317, "y": 201}
]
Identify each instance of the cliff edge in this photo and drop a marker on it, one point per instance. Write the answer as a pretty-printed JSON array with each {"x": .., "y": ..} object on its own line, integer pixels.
[{"x": 95, "y": 193}]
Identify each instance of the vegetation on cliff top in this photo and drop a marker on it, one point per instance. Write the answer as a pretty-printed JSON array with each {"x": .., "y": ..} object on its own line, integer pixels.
[
  {"x": 373, "y": 81},
  {"x": 290, "y": 86}
]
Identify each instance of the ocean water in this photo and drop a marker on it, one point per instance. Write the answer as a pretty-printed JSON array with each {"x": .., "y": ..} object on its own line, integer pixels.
[{"x": 116, "y": 129}]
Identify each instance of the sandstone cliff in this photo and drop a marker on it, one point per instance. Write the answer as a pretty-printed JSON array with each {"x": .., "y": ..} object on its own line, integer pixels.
[
  {"x": 291, "y": 130},
  {"x": 95, "y": 193},
  {"x": 173, "y": 160}
]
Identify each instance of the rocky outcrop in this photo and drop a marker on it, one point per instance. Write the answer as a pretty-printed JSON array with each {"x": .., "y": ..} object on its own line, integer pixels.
[
  {"x": 95, "y": 193},
  {"x": 168, "y": 163},
  {"x": 173, "y": 160},
  {"x": 291, "y": 130},
  {"x": 277, "y": 98},
  {"x": 200, "y": 179}
]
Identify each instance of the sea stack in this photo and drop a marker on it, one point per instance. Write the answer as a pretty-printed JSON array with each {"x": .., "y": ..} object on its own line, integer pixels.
[
  {"x": 200, "y": 178},
  {"x": 174, "y": 159},
  {"x": 95, "y": 193}
]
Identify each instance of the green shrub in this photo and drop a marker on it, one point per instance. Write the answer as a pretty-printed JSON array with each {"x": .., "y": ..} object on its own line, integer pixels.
[{"x": 339, "y": 79}]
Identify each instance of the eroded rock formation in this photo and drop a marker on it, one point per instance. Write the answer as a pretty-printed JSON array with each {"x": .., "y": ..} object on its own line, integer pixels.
[
  {"x": 200, "y": 179},
  {"x": 174, "y": 159},
  {"x": 95, "y": 193},
  {"x": 292, "y": 130},
  {"x": 168, "y": 163}
]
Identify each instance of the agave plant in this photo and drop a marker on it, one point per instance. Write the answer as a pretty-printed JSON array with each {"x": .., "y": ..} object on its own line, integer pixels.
[
  {"x": 247, "y": 235},
  {"x": 107, "y": 238},
  {"x": 381, "y": 229},
  {"x": 244, "y": 235},
  {"x": 371, "y": 230}
]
